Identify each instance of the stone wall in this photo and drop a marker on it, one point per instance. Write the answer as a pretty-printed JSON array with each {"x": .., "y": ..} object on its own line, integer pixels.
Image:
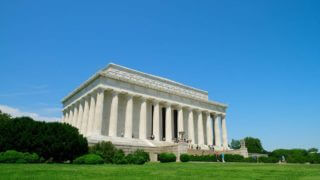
[
  {"x": 242, "y": 152},
  {"x": 177, "y": 149}
]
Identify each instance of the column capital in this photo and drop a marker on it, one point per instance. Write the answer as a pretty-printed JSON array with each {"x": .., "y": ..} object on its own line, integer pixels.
[
  {"x": 207, "y": 113},
  {"x": 92, "y": 93},
  {"x": 126, "y": 94},
  {"x": 143, "y": 98},
  {"x": 114, "y": 92},
  {"x": 215, "y": 114},
  {"x": 179, "y": 107},
  {"x": 155, "y": 101},
  {"x": 85, "y": 98},
  {"x": 188, "y": 108},
  {"x": 167, "y": 104},
  {"x": 129, "y": 96},
  {"x": 218, "y": 114},
  {"x": 99, "y": 89},
  {"x": 198, "y": 110}
]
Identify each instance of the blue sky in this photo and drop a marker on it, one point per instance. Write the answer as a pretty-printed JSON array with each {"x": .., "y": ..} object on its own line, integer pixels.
[{"x": 260, "y": 57}]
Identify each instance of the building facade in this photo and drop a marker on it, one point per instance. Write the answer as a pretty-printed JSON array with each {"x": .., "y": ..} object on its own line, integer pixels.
[{"x": 131, "y": 108}]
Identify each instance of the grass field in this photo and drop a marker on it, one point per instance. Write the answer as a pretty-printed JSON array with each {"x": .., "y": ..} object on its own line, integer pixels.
[{"x": 160, "y": 171}]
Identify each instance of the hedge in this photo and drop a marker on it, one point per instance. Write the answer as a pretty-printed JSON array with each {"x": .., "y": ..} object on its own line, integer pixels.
[
  {"x": 12, "y": 156},
  {"x": 88, "y": 159},
  {"x": 302, "y": 158},
  {"x": 119, "y": 157},
  {"x": 184, "y": 158},
  {"x": 138, "y": 157},
  {"x": 167, "y": 157},
  {"x": 213, "y": 158},
  {"x": 268, "y": 159},
  {"x": 111, "y": 154},
  {"x": 203, "y": 158},
  {"x": 233, "y": 158}
]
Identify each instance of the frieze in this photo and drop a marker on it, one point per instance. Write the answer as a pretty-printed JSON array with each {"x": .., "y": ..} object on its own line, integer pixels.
[{"x": 153, "y": 84}]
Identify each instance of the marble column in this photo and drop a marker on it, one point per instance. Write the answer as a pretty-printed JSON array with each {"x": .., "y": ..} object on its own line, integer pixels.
[
  {"x": 114, "y": 114},
  {"x": 80, "y": 115},
  {"x": 217, "y": 138},
  {"x": 168, "y": 123},
  {"x": 63, "y": 116},
  {"x": 143, "y": 119},
  {"x": 180, "y": 120},
  {"x": 71, "y": 115},
  {"x": 92, "y": 109},
  {"x": 156, "y": 120},
  {"x": 75, "y": 115},
  {"x": 67, "y": 116},
  {"x": 98, "y": 112},
  {"x": 191, "y": 126},
  {"x": 209, "y": 130},
  {"x": 224, "y": 131},
  {"x": 129, "y": 117},
  {"x": 85, "y": 115},
  {"x": 200, "y": 129}
]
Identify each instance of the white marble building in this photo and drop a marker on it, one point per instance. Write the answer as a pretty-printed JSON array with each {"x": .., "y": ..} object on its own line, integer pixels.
[{"x": 132, "y": 108}]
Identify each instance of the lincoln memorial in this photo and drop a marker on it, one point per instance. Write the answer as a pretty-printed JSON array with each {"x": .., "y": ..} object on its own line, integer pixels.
[{"x": 136, "y": 109}]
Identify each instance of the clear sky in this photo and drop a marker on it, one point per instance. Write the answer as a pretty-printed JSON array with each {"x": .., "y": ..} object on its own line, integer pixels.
[{"x": 262, "y": 58}]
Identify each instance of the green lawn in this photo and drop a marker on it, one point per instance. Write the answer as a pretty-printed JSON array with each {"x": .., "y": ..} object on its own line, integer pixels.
[{"x": 160, "y": 171}]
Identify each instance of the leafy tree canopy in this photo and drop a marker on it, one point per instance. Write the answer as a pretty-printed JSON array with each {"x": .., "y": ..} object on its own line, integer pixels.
[
  {"x": 235, "y": 144},
  {"x": 254, "y": 145},
  {"x": 56, "y": 141},
  {"x": 4, "y": 116},
  {"x": 313, "y": 150}
]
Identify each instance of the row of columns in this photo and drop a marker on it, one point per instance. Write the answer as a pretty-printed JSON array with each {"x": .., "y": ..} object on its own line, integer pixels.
[{"x": 87, "y": 115}]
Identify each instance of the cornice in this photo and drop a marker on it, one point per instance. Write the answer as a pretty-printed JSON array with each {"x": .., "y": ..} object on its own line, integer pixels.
[
  {"x": 154, "y": 83},
  {"x": 121, "y": 73}
]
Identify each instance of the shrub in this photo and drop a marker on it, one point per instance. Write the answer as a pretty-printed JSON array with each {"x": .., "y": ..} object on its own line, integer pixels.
[
  {"x": 268, "y": 159},
  {"x": 104, "y": 149},
  {"x": 203, "y": 158},
  {"x": 130, "y": 158},
  {"x": 167, "y": 157},
  {"x": 58, "y": 141},
  {"x": 89, "y": 159},
  {"x": 250, "y": 160},
  {"x": 138, "y": 157},
  {"x": 143, "y": 154},
  {"x": 119, "y": 157},
  {"x": 12, "y": 156},
  {"x": 233, "y": 158},
  {"x": 139, "y": 160},
  {"x": 184, "y": 157},
  {"x": 135, "y": 159},
  {"x": 314, "y": 158}
]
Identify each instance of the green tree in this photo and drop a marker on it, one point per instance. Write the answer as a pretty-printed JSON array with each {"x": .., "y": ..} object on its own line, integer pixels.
[
  {"x": 254, "y": 145},
  {"x": 235, "y": 144},
  {"x": 312, "y": 150},
  {"x": 56, "y": 141},
  {"x": 104, "y": 149},
  {"x": 4, "y": 116}
]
